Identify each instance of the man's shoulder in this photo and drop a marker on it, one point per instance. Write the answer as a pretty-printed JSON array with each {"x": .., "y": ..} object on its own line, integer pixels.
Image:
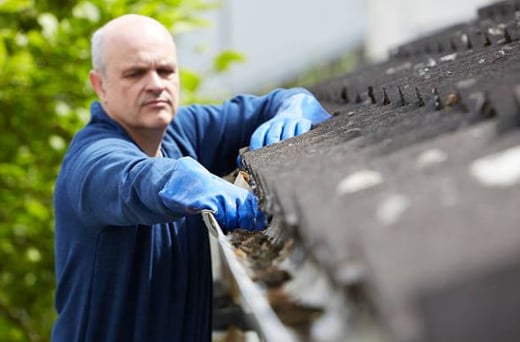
[{"x": 99, "y": 133}]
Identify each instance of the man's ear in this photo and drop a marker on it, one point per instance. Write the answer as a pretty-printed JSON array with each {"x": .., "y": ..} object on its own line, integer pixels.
[{"x": 96, "y": 81}]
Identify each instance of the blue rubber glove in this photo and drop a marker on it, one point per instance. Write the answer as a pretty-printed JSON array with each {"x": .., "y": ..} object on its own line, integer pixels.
[
  {"x": 193, "y": 188},
  {"x": 295, "y": 116}
]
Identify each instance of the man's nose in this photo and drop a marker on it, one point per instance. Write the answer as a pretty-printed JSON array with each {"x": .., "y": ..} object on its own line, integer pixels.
[{"x": 154, "y": 82}]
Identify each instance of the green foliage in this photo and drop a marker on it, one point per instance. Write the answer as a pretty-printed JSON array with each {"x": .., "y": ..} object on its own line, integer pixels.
[
  {"x": 225, "y": 59},
  {"x": 44, "y": 96},
  {"x": 192, "y": 80}
]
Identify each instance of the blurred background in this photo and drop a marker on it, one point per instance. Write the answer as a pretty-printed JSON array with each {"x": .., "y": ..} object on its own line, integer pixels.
[
  {"x": 225, "y": 47},
  {"x": 283, "y": 41}
]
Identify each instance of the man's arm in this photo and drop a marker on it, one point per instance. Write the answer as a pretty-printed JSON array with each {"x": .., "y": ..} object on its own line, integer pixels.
[
  {"x": 214, "y": 134},
  {"x": 111, "y": 182}
]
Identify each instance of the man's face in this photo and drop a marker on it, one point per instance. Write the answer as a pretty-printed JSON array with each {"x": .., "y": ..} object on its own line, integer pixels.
[{"x": 140, "y": 85}]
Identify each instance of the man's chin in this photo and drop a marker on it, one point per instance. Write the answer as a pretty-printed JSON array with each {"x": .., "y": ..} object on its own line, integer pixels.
[
  {"x": 161, "y": 115},
  {"x": 164, "y": 118}
]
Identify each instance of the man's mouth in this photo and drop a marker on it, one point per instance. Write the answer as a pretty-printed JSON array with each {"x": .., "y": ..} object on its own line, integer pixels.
[{"x": 158, "y": 102}]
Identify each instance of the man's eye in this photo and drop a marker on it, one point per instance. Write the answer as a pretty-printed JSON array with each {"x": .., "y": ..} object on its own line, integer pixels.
[
  {"x": 165, "y": 72},
  {"x": 133, "y": 74}
]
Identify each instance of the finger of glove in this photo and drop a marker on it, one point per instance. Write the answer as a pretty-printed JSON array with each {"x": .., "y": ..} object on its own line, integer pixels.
[
  {"x": 253, "y": 221},
  {"x": 274, "y": 134},
  {"x": 234, "y": 203},
  {"x": 258, "y": 137},
  {"x": 250, "y": 216},
  {"x": 289, "y": 129},
  {"x": 226, "y": 214},
  {"x": 260, "y": 220},
  {"x": 303, "y": 126}
]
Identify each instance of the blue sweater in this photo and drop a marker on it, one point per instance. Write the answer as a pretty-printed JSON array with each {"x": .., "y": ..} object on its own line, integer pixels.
[{"x": 127, "y": 267}]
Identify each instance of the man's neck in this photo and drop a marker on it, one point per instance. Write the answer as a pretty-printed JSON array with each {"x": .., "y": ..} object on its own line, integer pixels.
[{"x": 149, "y": 141}]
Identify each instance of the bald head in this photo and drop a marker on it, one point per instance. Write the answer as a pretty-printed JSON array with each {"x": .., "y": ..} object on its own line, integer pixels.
[
  {"x": 125, "y": 30},
  {"x": 136, "y": 77}
]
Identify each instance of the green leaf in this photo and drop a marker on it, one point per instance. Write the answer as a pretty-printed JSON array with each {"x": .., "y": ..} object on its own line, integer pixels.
[
  {"x": 49, "y": 24},
  {"x": 3, "y": 53},
  {"x": 57, "y": 143},
  {"x": 20, "y": 65},
  {"x": 190, "y": 80},
  {"x": 226, "y": 58},
  {"x": 86, "y": 10},
  {"x": 33, "y": 254},
  {"x": 13, "y": 6}
]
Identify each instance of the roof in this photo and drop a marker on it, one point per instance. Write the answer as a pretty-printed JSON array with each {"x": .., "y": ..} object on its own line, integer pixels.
[{"x": 411, "y": 192}]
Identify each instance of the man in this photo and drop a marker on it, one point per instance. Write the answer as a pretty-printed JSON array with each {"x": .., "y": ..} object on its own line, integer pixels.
[{"x": 132, "y": 253}]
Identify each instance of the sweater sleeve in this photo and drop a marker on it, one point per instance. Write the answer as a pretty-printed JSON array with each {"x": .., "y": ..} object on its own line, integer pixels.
[
  {"x": 213, "y": 134},
  {"x": 107, "y": 180}
]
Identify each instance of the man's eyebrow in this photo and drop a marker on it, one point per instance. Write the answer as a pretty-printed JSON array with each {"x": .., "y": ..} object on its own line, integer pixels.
[
  {"x": 167, "y": 63},
  {"x": 132, "y": 68},
  {"x": 147, "y": 66}
]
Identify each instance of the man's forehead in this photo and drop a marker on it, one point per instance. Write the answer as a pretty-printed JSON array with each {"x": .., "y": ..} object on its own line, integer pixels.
[
  {"x": 146, "y": 62},
  {"x": 145, "y": 41},
  {"x": 130, "y": 52},
  {"x": 140, "y": 41},
  {"x": 133, "y": 62}
]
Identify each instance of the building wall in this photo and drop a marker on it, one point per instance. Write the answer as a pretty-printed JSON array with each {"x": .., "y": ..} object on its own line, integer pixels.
[
  {"x": 393, "y": 22},
  {"x": 282, "y": 38}
]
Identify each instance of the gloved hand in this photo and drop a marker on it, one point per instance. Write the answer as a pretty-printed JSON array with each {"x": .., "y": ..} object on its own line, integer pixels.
[
  {"x": 193, "y": 188},
  {"x": 296, "y": 116}
]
